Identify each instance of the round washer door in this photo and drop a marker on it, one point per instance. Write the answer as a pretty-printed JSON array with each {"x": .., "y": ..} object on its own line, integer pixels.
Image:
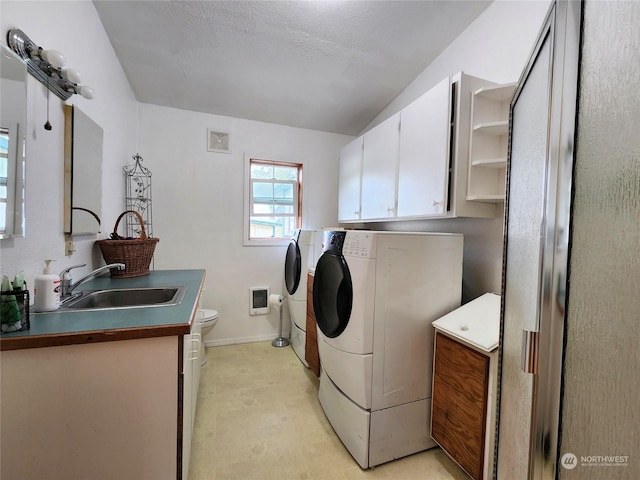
[
  {"x": 332, "y": 294},
  {"x": 292, "y": 267}
]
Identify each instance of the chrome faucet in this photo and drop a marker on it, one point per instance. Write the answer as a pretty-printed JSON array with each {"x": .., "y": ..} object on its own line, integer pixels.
[{"x": 66, "y": 287}]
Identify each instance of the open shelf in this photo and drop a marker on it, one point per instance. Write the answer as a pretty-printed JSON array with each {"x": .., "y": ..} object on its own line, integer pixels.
[
  {"x": 499, "y": 162},
  {"x": 488, "y": 144},
  {"x": 501, "y": 93},
  {"x": 492, "y": 128},
  {"x": 487, "y": 198}
]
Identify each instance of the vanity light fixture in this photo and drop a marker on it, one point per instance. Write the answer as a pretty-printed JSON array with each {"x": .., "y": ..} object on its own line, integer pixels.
[{"x": 48, "y": 67}]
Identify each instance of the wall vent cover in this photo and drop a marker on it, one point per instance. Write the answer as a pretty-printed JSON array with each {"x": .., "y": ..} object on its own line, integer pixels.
[{"x": 218, "y": 141}]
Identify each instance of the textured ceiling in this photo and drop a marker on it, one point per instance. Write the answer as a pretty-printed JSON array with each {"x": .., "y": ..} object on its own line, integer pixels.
[{"x": 324, "y": 65}]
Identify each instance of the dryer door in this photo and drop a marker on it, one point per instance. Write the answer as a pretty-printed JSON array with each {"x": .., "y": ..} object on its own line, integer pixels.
[
  {"x": 332, "y": 294},
  {"x": 292, "y": 267}
]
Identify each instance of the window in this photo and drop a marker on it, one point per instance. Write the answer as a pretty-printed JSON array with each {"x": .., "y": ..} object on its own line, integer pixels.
[
  {"x": 274, "y": 201},
  {"x": 4, "y": 166}
]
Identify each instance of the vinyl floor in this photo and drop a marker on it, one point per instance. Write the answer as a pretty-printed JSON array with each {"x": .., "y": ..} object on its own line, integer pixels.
[{"x": 258, "y": 418}]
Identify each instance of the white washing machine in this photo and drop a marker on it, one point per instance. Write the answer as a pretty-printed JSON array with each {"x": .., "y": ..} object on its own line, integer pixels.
[
  {"x": 298, "y": 260},
  {"x": 375, "y": 295}
]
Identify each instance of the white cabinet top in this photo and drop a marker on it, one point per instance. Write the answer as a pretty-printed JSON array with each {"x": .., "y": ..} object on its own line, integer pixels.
[{"x": 476, "y": 323}]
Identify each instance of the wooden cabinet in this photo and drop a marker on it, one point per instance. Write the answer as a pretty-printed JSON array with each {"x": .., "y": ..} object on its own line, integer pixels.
[
  {"x": 311, "y": 354},
  {"x": 423, "y": 164},
  {"x": 349, "y": 183},
  {"x": 464, "y": 384},
  {"x": 379, "y": 169},
  {"x": 459, "y": 404},
  {"x": 489, "y": 143}
]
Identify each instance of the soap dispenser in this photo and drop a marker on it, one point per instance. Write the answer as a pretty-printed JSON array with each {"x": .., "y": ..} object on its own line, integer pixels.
[{"x": 47, "y": 290}]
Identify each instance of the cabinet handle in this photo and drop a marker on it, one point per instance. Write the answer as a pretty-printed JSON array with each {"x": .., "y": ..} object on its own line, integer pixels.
[
  {"x": 195, "y": 339},
  {"x": 357, "y": 212},
  {"x": 436, "y": 203},
  {"x": 391, "y": 210}
]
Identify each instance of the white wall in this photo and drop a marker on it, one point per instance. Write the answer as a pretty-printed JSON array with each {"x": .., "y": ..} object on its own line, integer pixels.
[
  {"x": 197, "y": 194},
  {"x": 198, "y": 201},
  {"x": 496, "y": 46},
  {"x": 75, "y": 29}
]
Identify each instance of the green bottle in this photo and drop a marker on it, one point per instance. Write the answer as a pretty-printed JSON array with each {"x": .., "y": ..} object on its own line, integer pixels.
[{"x": 10, "y": 316}]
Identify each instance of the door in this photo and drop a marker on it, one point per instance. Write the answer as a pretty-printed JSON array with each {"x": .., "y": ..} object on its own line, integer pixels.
[
  {"x": 379, "y": 169},
  {"x": 601, "y": 385},
  {"x": 537, "y": 210},
  {"x": 292, "y": 267},
  {"x": 350, "y": 181},
  {"x": 423, "y": 165},
  {"x": 332, "y": 294},
  {"x": 523, "y": 255}
]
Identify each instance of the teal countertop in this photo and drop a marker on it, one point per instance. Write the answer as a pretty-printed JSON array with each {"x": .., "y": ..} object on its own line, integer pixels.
[{"x": 67, "y": 327}]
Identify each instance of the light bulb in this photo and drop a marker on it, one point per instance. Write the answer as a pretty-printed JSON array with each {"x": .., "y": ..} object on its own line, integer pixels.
[
  {"x": 54, "y": 57},
  {"x": 86, "y": 92},
  {"x": 70, "y": 74}
]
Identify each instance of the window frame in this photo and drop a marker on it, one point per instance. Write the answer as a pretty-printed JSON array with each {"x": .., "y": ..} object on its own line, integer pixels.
[
  {"x": 248, "y": 199},
  {"x": 4, "y": 182}
]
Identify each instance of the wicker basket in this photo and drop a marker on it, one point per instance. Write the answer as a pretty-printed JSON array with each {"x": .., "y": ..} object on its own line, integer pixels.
[{"x": 135, "y": 254}]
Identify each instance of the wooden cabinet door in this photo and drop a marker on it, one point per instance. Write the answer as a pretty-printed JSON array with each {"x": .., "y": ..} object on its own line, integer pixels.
[
  {"x": 460, "y": 382},
  {"x": 423, "y": 165},
  {"x": 349, "y": 181},
  {"x": 379, "y": 165}
]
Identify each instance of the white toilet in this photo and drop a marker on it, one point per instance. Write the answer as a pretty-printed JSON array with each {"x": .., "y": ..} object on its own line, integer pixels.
[{"x": 210, "y": 319}]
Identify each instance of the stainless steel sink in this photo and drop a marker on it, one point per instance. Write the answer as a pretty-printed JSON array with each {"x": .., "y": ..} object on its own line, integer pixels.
[{"x": 125, "y": 298}]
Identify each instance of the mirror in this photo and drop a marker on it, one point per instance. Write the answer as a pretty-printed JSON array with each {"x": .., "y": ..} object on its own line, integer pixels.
[
  {"x": 82, "y": 172},
  {"x": 13, "y": 126}
]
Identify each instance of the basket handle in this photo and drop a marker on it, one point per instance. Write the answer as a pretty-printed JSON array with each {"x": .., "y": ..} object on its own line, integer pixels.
[{"x": 143, "y": 233}]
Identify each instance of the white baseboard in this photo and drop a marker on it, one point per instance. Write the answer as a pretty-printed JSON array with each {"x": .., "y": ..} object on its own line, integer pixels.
[{"x": 234, "y": 341}]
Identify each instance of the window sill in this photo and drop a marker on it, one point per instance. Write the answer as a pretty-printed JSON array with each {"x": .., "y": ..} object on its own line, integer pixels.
[{"x": 266, "y": 242}]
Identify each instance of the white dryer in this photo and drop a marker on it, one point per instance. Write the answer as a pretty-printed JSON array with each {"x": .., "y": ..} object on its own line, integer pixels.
[
  {"x": 375, "y": 295},
  {"x": 298, "y": 260}
]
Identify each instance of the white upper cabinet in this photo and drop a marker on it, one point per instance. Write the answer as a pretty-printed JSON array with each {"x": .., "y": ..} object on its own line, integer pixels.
[
  {"x": 423, "y": 165},
  {"x": 415, "y": 164},
  {"x": 379, "y": 169},
  {"x": 349, "y": 181}
]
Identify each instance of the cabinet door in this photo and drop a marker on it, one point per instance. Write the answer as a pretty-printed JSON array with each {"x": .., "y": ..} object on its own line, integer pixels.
[
  {"x": 459, "y": 403},
  {"x": 91, "y": 411},
  {"x": 379, "y": 169},
  {"x": 423, "y": 165},
  {"x": 191, "y": 358},
  {"x": 349, "y": 181},
  {"x": 198, "y": 345}
]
